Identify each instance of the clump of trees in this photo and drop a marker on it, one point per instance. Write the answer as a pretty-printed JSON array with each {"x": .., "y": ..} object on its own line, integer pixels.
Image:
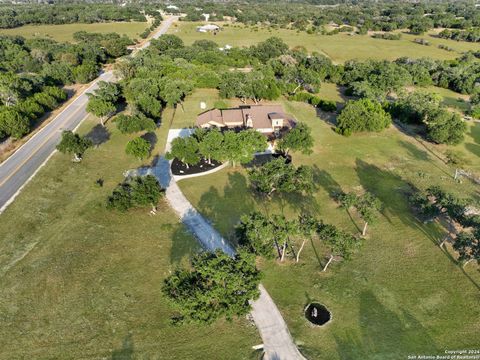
[
  {"x": 362, "y": 115},
  {"x": 102, "y": 103},
  {"x": 214, "y": 286},
  {"x": 129, "y": 124},
  {"x": 463, "y": 226},
  {"x": 138, "y": 147},
  {"x": 32, "y": 72},
  {"x": 275, "y": 235},
  {"x": 422, "y": 108},
  {"x": 367, "y": 206},
  {"x": 139, "y": 191},
  {"x": 235, "y": 147},
  {"x": 74, "y": 144},
  {"x": 297, "y": 139},
  {"x": 280, "y": 176},
  {"x": 325, "y": 105}
]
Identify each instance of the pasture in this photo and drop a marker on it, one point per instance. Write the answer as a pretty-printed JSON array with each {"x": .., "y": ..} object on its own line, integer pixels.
[
  {"x": 64, "y": 32},
  {"x": 81, "y": 282},
  {"x": 339, "y": 48},
  {"x": 400, "y": 294}
]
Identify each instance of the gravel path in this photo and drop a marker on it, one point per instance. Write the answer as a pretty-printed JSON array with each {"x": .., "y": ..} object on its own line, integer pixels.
[{"x": 277, "y": 341}]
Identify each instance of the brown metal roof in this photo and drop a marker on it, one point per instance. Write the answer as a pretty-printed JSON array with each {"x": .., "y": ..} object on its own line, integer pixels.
[{"x": 261, "y": 115}]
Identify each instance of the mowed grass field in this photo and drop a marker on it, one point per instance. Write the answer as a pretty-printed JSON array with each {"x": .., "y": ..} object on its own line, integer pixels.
[
  {"x": 400, "y": 294},
  {"x": 64, "y": 33},
  {"x": 339, "y": 48},
  {"x": 78, "y": 281}
]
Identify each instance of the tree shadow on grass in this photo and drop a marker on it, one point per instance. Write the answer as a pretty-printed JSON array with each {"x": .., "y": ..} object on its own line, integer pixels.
[
  {"x": 183, "y": 244},
  {"x": 473, "y": 148},
  {"x": 385, "y": 333},
  {"x": 223, "y": 211},
  {"x": 422, "y": 155},
  {"x": 151, "y": 137},
  {"x": 392, "y": 191},
  {"x": 98, "y": 135},
  {"x": 126, "y": 352},
  {"x": 414, "y": 151},
  {"x": 327, "y": 182}
]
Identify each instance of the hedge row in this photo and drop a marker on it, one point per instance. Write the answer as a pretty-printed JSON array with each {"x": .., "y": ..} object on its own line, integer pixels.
[{"x": 325, "y": 105}]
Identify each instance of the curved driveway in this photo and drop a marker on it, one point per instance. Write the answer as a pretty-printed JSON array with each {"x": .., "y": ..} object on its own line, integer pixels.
[
  {"x": 277, "y": 341},
  {"x": 23, "y": 164}
]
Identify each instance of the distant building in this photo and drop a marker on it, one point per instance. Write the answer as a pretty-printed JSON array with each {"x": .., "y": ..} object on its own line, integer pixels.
[
  {"x": 267, "y": 119},
  {"x": 208, "y": 28}
]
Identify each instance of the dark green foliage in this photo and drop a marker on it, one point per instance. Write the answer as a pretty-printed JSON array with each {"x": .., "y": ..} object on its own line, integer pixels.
[
  {"x": 325, "y": 105},
  {"x": 471, "y": 35},
  {"x": 435, "y": 201},
  {"x": 362, "y": 115},
  {"x": 262, "y": 234},
  {"x": 281, "y": 177},
  {"x": 387, "y": 36},
  {"x": 214, "y": 286},
  {"x": 468, "y": 246},
  {"x": 138, "y": 147},
  {"x": 67, "y": 14},
  {"x": 139, "y": 191},
  {"x": 415, "y": 107},
  {"x": 167, "y": 42},
  {"x": 297, "y": 139},
  {"x": 184, "y": 149},
  {"x": 339, "y": 242},
  {"x": 445, "y": 127},
  {"x": 73, "y": 144},
  {"x": 128, "y": 124},
  {"x": 241, "y": 147},
  {"x": 257, "y": 233},
  {"x": 13, "y": 123}
]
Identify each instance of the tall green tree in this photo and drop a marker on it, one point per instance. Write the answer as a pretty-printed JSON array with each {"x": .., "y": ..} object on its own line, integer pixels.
[
  {"x": 340, "y": 243},
  {"x": 281, "y": 177},
  {"x": 362, "y": 115},
  {"x": 138, "y": 147},
  {"x": 297, "y": 139},
  {"x": 101, "y": 108},
  {"x": 210, "y": 145},
  {"x": 74, "y": 144},
  {"x": 214, "y": 286},
  {"x": 184, "y": 149}
]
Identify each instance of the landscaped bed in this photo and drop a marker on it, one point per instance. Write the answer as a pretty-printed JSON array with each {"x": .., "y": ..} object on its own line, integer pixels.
[{"x": 179, "y": 168}]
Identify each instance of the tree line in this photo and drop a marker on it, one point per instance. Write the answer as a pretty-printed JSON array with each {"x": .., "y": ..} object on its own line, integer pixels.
[
  {"x": 34, "y": 70},
  {"x": 24, "y": 14},
  {"x": 419, "y": 17}
]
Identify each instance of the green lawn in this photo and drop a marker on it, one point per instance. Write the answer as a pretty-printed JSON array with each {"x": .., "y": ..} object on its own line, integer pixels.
[
  {"x": 339, "y": 48},
  {"x": 80, "y": 282},
  {"x": 400, "y": 295},
  {"x": 186, "y": 113},
  {"x": 65, "y": 32}
]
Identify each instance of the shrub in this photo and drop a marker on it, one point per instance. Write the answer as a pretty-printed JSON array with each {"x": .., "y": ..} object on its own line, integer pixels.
[
  {"x": 138, "y": 147},
  {"x": 128, "y": 124},
  {"x": 362, "y": 115},
  {"x": 136, "y": 192}
]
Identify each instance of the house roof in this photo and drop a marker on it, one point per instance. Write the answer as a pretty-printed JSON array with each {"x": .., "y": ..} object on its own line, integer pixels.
[{"x": 261, "y": 116}]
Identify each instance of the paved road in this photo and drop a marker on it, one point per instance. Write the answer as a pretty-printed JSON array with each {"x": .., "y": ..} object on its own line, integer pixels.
[
  {"x": 20, "y": 167},
  {"x": 277, "y": 341}
]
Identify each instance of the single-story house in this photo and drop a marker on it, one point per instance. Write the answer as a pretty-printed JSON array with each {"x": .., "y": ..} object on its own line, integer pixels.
[
  {"x": 208, "y": 28},
  {"x": 267, "y": 119}
]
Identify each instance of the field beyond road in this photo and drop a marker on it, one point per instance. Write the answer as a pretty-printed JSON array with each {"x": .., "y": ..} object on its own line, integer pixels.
[
  {"x": 339, "y": 48},
  {"x": 63, "y": 33}
]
